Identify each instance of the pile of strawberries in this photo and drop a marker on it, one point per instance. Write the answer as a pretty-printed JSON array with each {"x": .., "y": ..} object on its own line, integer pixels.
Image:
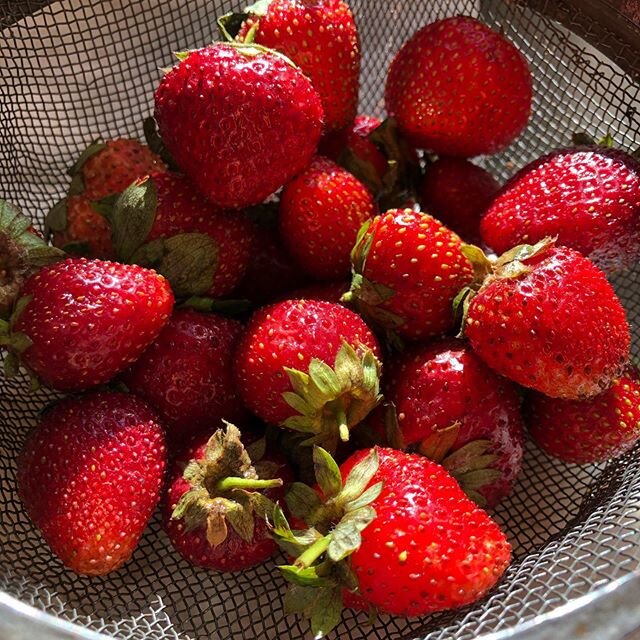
[{"x": 279, "y": 290}]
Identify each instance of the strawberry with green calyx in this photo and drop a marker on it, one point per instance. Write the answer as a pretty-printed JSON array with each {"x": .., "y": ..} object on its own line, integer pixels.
[
  {"x": 220, "y": 496},
  {"x": 545, "y": 317}
]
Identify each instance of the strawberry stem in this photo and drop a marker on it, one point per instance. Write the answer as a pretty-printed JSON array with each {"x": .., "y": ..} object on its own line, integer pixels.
[
  {"x": 307, "y": 558},
  {"x": 249, "y": 484},
  {"x": 341, "y": 420}
]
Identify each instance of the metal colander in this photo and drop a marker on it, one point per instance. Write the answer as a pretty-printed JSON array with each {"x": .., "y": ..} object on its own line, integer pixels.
[{"x": 74, "y": 70}]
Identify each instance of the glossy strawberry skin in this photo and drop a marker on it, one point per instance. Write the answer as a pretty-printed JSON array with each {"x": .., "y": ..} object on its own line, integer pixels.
[
  {"x": 588, "y": 431},
  {"x": 322, "y": 39},
  {"x": 589, "y": 198},
  {"x": 90, "y": 476},
  {"x": 239, "y": 126},
  {"x": 559, "y": 329},
  {"x": 458, "y": 88},
  {"x": 442, "y": 386},
  {"x": 429, "y": 548},
  {"x": 186, "y": 373},
  {"x": 290, "y": 334},
  {"x": 88, "y": 320},
  {"x": 458, "y": 192},
  {"x": 321, "y": 212}
]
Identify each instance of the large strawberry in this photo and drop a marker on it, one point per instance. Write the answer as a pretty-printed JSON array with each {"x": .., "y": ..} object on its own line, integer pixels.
[
  {"x": 311, "y": 366},
  {"x": 547, "y": 318},
  {"x": 587, "y": 197},
  {"x": 320, "y": 36},
  {"x": 388, "y": 530},
  {"x": 90, "y": 476},
  {"x": 588, "y": 431},
  {"x": 407, "y": 270},
  {"x": 219, "y": 497},
  {"x": 321, "y": 211},
  {"x": 80, "y": 322},
  {"x": 458, "y": 88},
  {"x": 239, "y": 120},
  {"x": 186, "y": 373}
]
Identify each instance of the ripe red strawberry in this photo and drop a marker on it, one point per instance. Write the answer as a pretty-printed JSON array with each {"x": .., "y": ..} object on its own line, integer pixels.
[
  {"x": 458, "y": 88},
  {"x": 321, "y": 211},
  {"x": 90, "y": 476},
  {"x": 311, "y": 366},
  {"x": 200, "y": 249},
  {"x": 587, "y": 197},
  {"x": 458, "y": 192},
  {"x": 457, "y": 412},
  {"x": 238, "y": 120},
  {"x": 407, "y": 270},
  {"x": 396, "y": 529},
  {"x": 321, "y": 37},
  {"x": 80, "y": 322},
  {"x": 186, "y": 373},
  {"x": 218, "y": 498},
  {"x": 548, "y": 319},
  {"x": 588, "y": 431}
]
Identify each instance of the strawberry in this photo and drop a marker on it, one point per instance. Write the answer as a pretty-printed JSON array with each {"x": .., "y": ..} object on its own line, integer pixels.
[
  {"x": 458, "y": 88},
  {"x": 458, "y": 193},
  {"x": 90, "y": 476},
  {"x": 547, "y": 318},
  {"x": 327, "y": 291},
  {"x": 321, "y": 211},
  {"x": 186, "y": 373},
  {"x": 457, "y": 412},
  {"x": 586, "y": 197},
  {"x": 160, "y": 221},
  {"x": 588, "y": 431},
  {"x": 310, "y": 366},
  {"x": 407, "y": 270},
  {"x": 389, "y": 530},
  {"x": 321, "y": 37},
  {"x": 240, "y": 121},
  {"x": 80, "y": 322},
  {"x": 219, "y": 495}
]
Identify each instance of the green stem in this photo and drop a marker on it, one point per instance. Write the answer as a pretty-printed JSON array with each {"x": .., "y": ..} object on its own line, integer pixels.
[
  {"x": 341, "y": 419},
  {"x": 227, "y": 484},
  {"x": 308, "y": 557},
  {"x": 347, "y": 296}
]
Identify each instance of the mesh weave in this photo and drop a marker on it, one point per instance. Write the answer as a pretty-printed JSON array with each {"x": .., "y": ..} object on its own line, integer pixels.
[{"x": 71, "y": 71}]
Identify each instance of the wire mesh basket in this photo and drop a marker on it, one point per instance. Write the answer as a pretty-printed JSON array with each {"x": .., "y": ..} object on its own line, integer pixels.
[{"x": 74, "y": 70}]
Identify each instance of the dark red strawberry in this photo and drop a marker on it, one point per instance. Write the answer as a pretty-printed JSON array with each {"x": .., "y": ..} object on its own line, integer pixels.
[
  {"x": 458, "y": 193},
  {"x": 390, "y": 530},
  {"x": 586, "y": 197},
  {"x": 547, "y": 318},
  {"x": 407, "y": 270},
  {"x": 321, "y": 211},
  {"x": 588, "y": 431},
  {"x": 457, "y": 412},
  {"x": 321, "y": 37},
  {"x": 458, "y": 88},
  {"x": 90, "y": 476},
  {"x": 238, "y": 120},
  {"x": 80, "y": 322},
  {"x": 311, "y": 366},
  {"x": 218, "y": 500},
  {"x": 329, "y": 292}
]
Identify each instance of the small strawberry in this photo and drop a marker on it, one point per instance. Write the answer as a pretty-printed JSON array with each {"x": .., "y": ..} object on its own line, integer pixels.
[
  {"x": 186, "y": 373},
  {"x": 219, "y": 496},
  {"x": 458, "y": 192},
  {"x": 80, "y": 322},
  {"x": 90, "y": 476},
  {"x": 239, "y": 120},
  {"x": 160, "y": 221},
  {"x": 457, "y": 412},
  {"x": 547, "y": 318},
  {"x": 310, "y": 366},
  {"x": 321, "y": 211},
  {"x": 586, "y": 197},
  {"x": 407, "y": 270},
  {"x": 458, "y": 88},
  {"x": 588, "y": 431},
  {"x": 321, "y": 37},
  {"x": 389, "y": 530}
]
